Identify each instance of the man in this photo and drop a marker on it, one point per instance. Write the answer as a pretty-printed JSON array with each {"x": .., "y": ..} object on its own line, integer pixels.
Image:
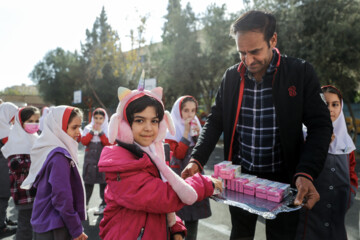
[{"x": 260, "y": 106}]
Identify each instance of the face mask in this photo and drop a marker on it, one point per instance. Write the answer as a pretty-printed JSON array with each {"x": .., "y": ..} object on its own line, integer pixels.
[{"x": 31, "y": 127}]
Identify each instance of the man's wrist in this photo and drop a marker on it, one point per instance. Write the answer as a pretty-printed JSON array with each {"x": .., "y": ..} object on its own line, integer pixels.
[{"x": 197, "y": 163}]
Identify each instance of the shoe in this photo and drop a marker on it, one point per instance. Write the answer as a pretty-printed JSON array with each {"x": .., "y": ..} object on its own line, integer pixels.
[
  {"x": 100, "y": 210},
  {"x": 10, "y": 222},
  {"x": 7, "y": 231}
]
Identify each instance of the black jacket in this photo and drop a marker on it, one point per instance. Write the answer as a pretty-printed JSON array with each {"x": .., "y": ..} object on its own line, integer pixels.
[{"x": 297, "y": 100}]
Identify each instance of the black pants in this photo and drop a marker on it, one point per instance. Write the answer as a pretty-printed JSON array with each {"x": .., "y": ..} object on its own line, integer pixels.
[
  {"x": 282, "y": 227},
  {"x": 192, "y": 227},
  {"x": 89, "y": 189}
]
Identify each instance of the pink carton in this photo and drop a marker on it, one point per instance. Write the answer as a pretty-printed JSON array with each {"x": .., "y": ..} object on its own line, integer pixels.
[
  {"x": 261, "y": 190},
  {"x": 230, "y": 172},
  {"x": 219, "y": 166},
  {"x": 278, "y": 193},
  {"x": 244, "y": 178},
  {"x": 250, "y": 187}
]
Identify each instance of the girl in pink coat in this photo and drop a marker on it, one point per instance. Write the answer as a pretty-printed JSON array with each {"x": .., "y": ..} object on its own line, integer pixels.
[{"x": 142, "y": 192}]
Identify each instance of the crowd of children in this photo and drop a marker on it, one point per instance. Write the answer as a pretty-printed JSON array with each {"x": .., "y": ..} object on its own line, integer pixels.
[{"x": 136, "y": 159}]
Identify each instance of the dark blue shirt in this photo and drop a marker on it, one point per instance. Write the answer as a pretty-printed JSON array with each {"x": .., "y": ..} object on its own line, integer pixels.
[{"x": 257, "y": 138}]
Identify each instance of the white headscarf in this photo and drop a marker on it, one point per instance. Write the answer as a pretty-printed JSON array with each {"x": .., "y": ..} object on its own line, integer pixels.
[
  {"x": 53, "y": 136},
  {"x": 7, "y": 112},
  {"x": 180, "y": 123},
  {"x": 342, "y": 144},
  {"x": 45, "y": 112},
  {"x": 20, "y": 141},
  {"x": 104, "y": 126}
]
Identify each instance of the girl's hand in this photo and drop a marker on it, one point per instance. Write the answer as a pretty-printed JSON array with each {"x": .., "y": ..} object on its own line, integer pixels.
[
  {"x": 83, "y": 236},
  {"x": 177, "y": 236},
  {"x": 218, "y": 185},
  {"x": 187, "y": 127},
  {"x": 332, "y": 138},
  {"x": 97, "y": 127}
]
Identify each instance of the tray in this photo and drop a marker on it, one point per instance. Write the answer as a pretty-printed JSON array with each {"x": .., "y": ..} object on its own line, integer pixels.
[{"x": 262, "y": 207}]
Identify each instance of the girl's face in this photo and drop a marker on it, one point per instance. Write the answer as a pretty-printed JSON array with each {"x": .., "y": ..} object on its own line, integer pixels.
[
  {"x": 145, "y": 126},
  {"x": 189, "y": 110},
  {"x": 33, "y": 119},
  {"x": 73, "y": 129},
  {"x": 334, "y": 105},
  {"x": 99, "y": 119}
]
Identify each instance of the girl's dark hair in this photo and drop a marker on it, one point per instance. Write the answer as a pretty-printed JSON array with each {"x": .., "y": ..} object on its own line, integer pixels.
[
  {"x": 27, "y": 112},
  {"x": 140, "y": 104},
  {"x": 188, "y": 99},
  {"x": 332, "y": 89},
  {"x": 97, "y": 112},
  {"x": 76, "y": 112}
]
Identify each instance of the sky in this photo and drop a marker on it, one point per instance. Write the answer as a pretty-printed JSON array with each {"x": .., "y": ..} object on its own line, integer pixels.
[{"x": 30, "y": 29}]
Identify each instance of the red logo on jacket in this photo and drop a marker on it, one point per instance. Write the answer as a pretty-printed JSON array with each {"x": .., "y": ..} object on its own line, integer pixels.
[{"x": 292, "y": 91}]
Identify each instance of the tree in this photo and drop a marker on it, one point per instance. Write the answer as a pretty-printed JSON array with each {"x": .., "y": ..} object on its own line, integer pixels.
[
  {"x": 57, "y": 77},
  {"x": 217, "y": 51},
  {"x": 103, "y": 63},
  {"x": 178, "y": 65},
  {"x": 327, "y": 34}
]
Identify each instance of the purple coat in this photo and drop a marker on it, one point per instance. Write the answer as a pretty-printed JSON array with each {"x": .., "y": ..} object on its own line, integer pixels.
[{"x": 59, "y": 200}]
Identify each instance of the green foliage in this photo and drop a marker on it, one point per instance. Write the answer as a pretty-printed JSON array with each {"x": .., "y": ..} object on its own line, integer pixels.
[
  {"x": 178, "y": 60},
  {"x": 326, "y": 33},
  {"x": 57, "y": 76},
  {"x": 218, "y": 51}
]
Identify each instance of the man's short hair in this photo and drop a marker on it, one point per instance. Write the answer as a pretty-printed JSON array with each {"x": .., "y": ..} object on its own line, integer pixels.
[{"x": 255, "y": 21}]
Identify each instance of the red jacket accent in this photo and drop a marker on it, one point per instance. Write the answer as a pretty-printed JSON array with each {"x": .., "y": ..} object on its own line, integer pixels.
[
  {"x": 4, "y": 140},
  {"x": 353, "y": 176},
  {"x": 87, "y": 139},
  {"x": 179, "y": 149},
  {"x": 137, "y": 198}
]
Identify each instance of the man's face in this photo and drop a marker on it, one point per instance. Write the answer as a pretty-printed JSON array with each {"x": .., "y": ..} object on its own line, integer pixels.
[{"x": 254, "y": 51}]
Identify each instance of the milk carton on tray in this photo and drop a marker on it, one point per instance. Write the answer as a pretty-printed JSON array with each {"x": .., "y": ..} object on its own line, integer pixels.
[
  {"x": 278, "y": 192},
  {"x": 243, "y": 179},
  {"x": 261, "y": 190},
  {"x": 219, "y": 166},
  {"x": 230, "y": 172},
  {"x": 250, "y": 187}
]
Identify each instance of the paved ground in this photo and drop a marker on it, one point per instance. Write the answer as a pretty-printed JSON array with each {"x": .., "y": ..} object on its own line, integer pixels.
[{"x": 218, "y": 226}]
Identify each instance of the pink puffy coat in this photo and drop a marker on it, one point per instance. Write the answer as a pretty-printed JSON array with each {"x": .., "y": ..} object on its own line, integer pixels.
[{"x": 136, "y": 197}]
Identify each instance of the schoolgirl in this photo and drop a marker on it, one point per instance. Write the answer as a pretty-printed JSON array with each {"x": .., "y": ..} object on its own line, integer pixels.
[
  {"x": 95, "y": 137},
  {"x": 17, "y": 151},
  {"x": 337, "y": 183},
  {"x": 187, "y": 127},
  {"x": 142, "y": 192},
  {"x": 7, "y": 114},
  {"x": 59, "y": 205},
  {"x": 44, "y": 112}
]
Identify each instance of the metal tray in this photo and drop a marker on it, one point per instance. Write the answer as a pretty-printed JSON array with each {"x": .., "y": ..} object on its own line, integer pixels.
[{"x": 262, "y": 207}]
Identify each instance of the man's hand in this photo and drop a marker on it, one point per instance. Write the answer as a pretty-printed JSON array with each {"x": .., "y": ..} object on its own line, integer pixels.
[
  {"x": 190, "y": 170},
  {"x": 306, "y": 191}
]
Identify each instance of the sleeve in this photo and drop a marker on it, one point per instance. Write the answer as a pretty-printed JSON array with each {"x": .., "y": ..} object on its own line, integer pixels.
[
  {"x": 85, "y": 140},
  {"x": 179, "y": 149},
  {"x": 145, "y": 192},
  {"x": 62, "y": 197},
  {"x": 316, "y": 118},
  {"x": 104, "y": 140},
  {"x": 353, "y": 176},
  {"x": 178, "y": 227},
  {"x": 212, "y": 129}
]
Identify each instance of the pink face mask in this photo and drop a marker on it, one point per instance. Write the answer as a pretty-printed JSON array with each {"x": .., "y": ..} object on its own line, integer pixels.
[{"x": 31, "y": 127}]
